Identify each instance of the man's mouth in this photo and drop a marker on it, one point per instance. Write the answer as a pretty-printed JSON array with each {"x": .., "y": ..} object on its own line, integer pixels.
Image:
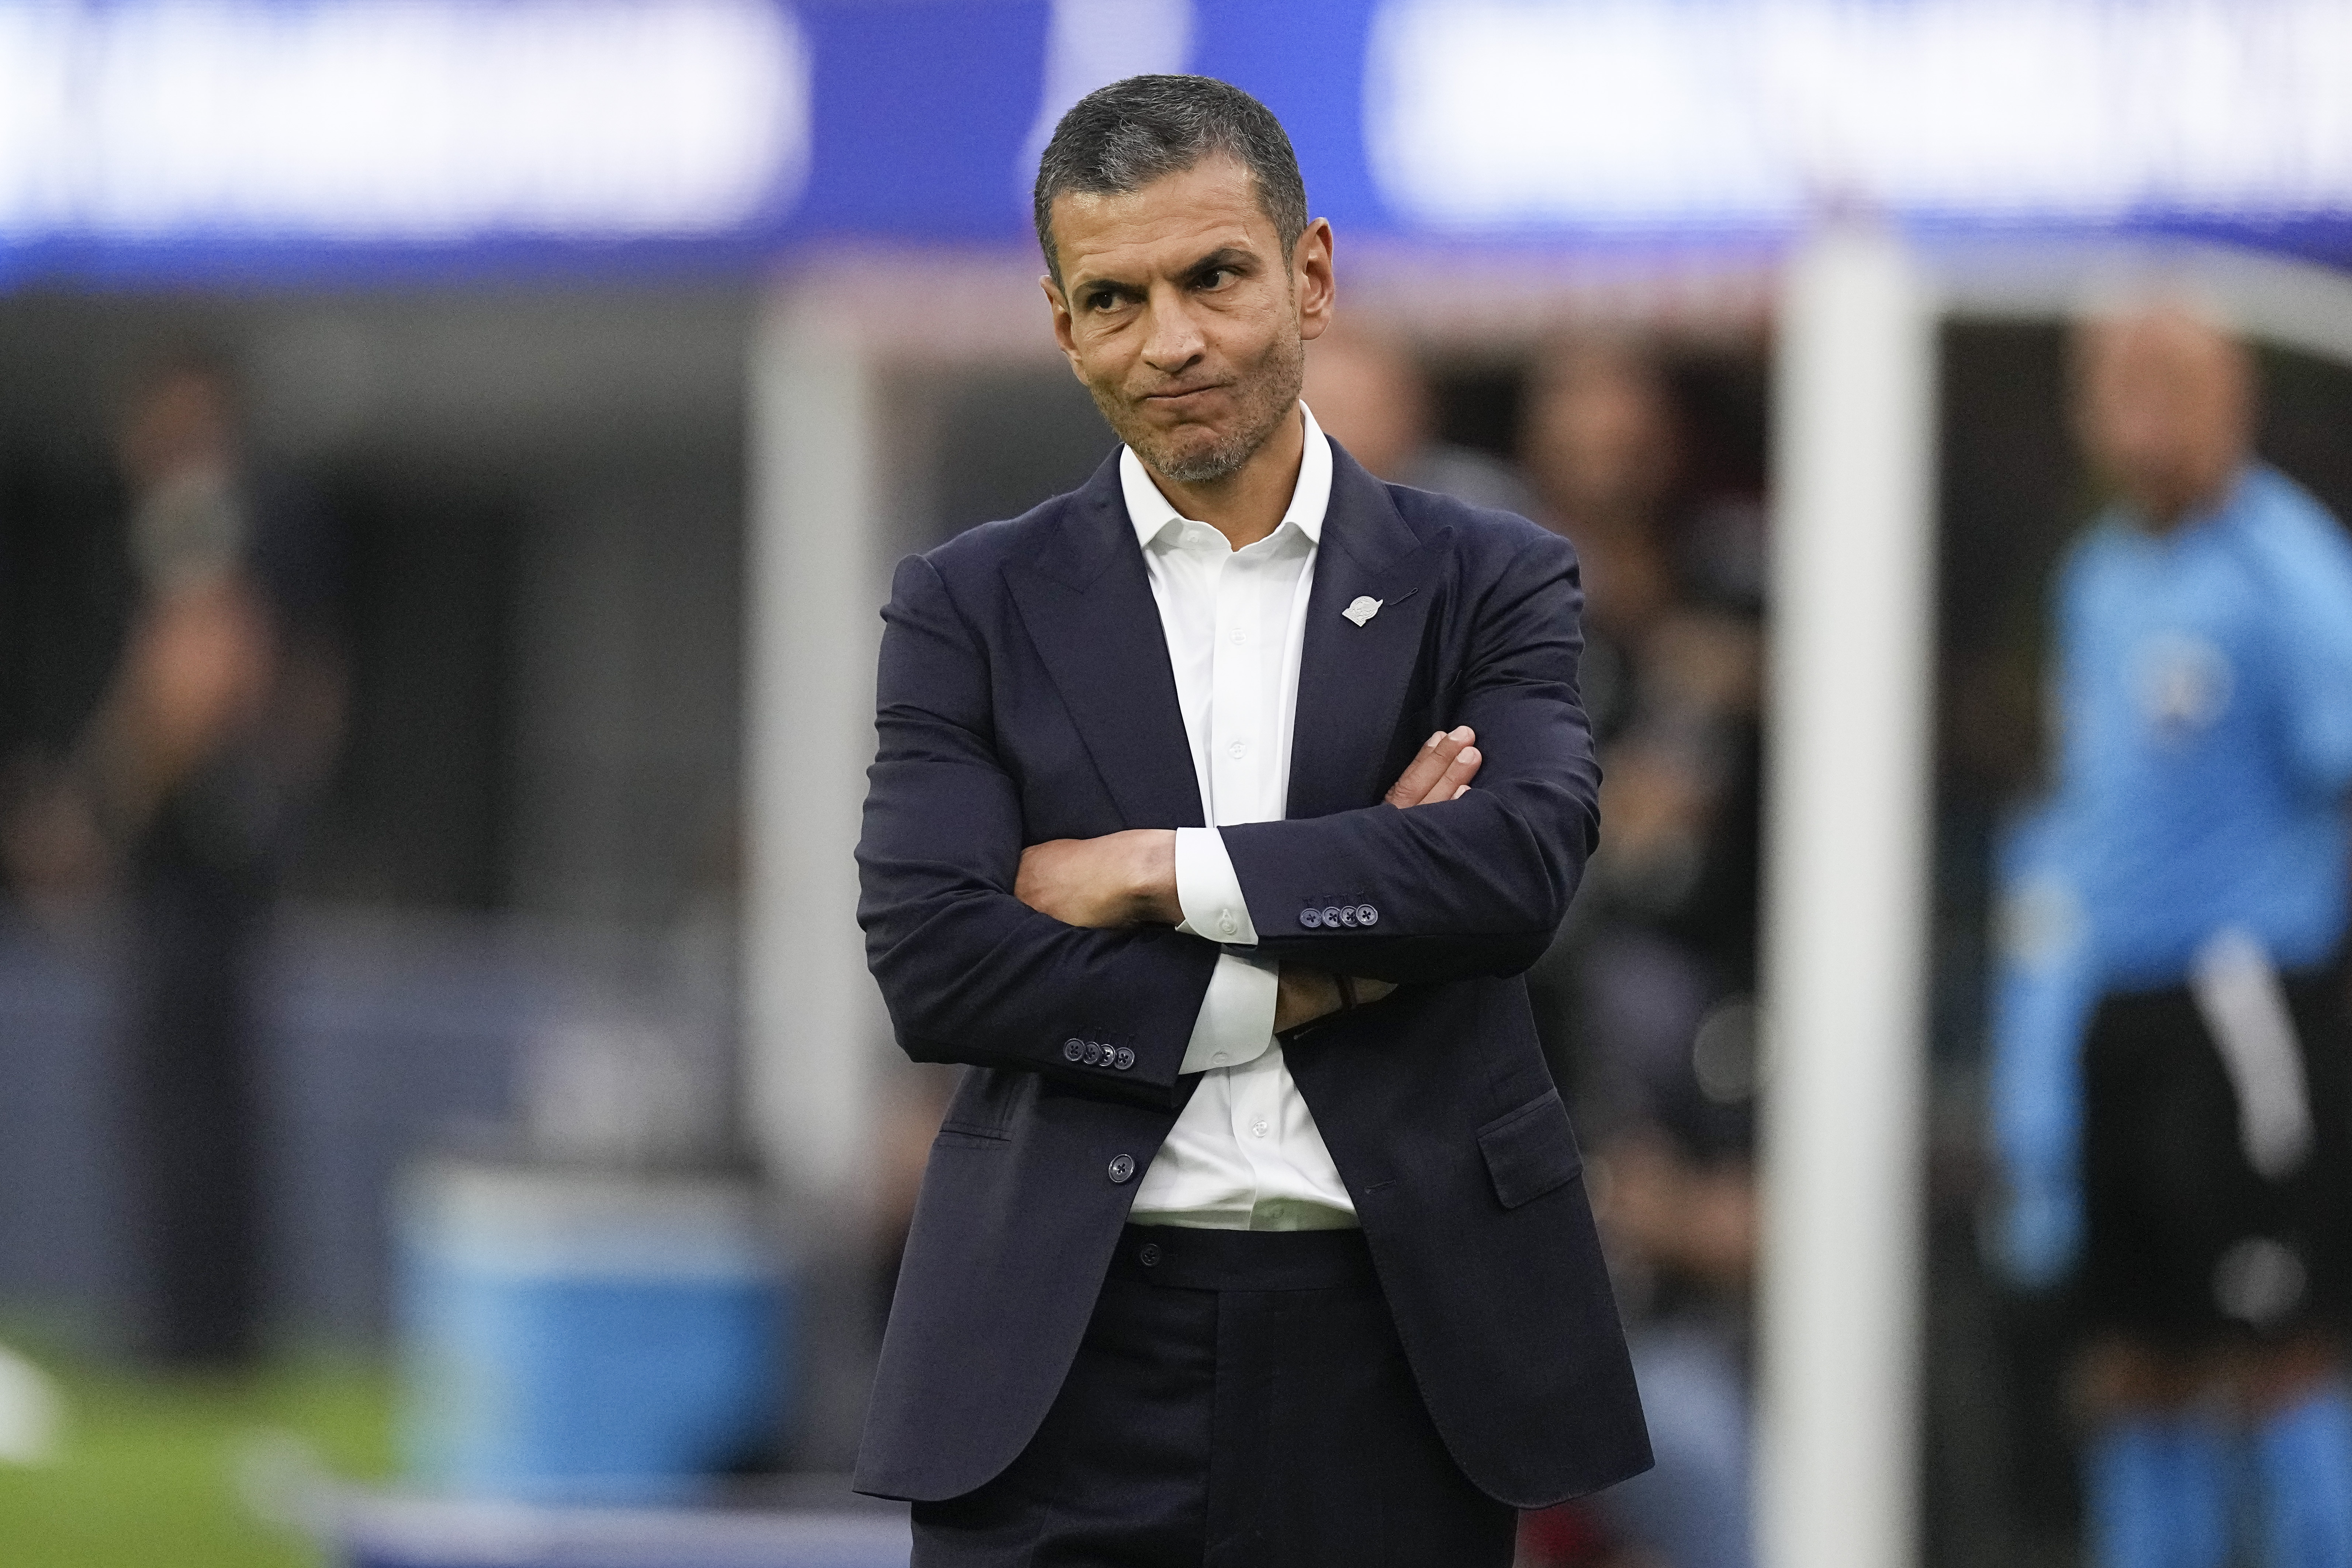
[{"x": 1181, "y": 396}]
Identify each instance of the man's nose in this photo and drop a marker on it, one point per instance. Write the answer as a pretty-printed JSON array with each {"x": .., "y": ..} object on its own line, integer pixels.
[{"x": 1173, "y": 343}]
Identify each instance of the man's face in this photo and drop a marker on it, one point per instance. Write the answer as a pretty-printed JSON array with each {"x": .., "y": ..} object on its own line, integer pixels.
[
  {"x": 2163, "y": 407},
  {"x": 1180, "y": 314},
  {"x": 180, "y": 421}
]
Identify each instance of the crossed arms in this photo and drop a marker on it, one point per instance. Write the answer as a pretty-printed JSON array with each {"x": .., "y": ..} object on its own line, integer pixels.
[
  {"x": 1129, "y": 878},
  {"x": 993, "y": 951}
]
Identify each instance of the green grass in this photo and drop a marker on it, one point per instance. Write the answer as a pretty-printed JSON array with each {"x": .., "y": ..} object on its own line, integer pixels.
[{"x": 146, "y": 1475}]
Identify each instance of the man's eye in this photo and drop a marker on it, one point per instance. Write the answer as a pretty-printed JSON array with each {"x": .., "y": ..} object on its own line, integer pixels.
[
  {"x": 1102, "y": 300},
  {"x": 1216, "y": 278}
]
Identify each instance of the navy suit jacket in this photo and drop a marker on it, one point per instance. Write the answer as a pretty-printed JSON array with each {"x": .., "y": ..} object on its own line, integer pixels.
[{"x": 1026, "y": 694}]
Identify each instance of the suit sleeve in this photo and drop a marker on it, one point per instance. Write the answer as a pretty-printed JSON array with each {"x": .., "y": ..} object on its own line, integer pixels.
[
  {"x": 1466, "y": 888},
  {"x": 968, "y": 972}
]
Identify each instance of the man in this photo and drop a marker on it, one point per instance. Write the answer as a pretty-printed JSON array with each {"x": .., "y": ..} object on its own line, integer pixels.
[
  {"x": 2174, "y": 1086},
  {"x": 224, "y": 710},
  {"x": 1255, "y": 1232}
]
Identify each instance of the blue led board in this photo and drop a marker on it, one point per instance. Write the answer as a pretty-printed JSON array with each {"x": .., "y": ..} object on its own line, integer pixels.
[{"x": 264, "y": 142}]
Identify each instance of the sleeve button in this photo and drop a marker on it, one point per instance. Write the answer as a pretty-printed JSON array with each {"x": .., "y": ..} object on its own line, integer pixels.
[
  {"x": 1226, "y": 923},
  {"x": 1331, "y": 915},
  {"x": 1073, "y": 1049},
  {"x": 1123, "y": 1059},
  {"x": 1367, "y": 916},
  {"x": 1311, "y": 918},
  {"x": 1095, "y": 1053},
  {"x": 1348, "y": 915},
  {"x": 1122, "y": 1166}
]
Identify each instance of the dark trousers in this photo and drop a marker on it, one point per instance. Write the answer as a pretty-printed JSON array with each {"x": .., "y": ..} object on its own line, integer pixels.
[
  {"x": 1240, "y": 1401},
  {"x": 194, "y": 1117}
]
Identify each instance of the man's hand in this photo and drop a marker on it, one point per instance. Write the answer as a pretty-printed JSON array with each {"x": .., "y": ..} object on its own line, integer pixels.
[
  {"x": 1129, "y": 878},
  {"x": 1442, "y": 770},
  {"x": 1119, "y": 879}
]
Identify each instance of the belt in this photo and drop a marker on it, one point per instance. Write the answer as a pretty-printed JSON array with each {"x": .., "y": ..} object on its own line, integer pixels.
[{"x": 1194, "y": 1260}]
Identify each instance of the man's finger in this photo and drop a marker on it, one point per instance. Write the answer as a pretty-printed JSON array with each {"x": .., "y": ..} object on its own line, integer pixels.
[
  {"x": 1426, "y": 767},
  {"x": 1449, "y": 784},
  {"x": 1422, "y": 774},
  {"x": 1458, "y": 776}
]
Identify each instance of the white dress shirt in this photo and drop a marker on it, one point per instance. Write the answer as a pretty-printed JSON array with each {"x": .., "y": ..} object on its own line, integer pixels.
[{"x": 1245, "y": 1155}]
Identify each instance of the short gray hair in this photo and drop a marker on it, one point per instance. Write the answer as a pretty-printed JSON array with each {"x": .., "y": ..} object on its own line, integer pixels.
[{"x": 1122, "y": 137}]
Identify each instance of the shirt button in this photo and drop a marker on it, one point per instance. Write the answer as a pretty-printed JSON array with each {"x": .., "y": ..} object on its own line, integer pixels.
[
  {"x": 1240, "y": 638},
  {"x": 1149, "y": 1254},
  {"x": 1122, "y": 1166},
  {"x": 1258, "y": 1129},
  {"x": 1218, "y": 1058},
  {"x": 1227, "y": 925},
  {"x": 1238, "y": 750}
]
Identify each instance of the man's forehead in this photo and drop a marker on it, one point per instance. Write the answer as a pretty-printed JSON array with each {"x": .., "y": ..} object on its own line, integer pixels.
[
  {"x": 1172, "y": 222},
  {"x": 2169, "y": 336}
]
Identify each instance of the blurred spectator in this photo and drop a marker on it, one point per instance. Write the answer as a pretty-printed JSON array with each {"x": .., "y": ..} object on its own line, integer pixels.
[
  {"x": 2173, "y": 1081},
  {"x": 1673, "y": 659},
  {"x": 224, "y": 708},
  {"x": 1370, "y": 397},
  {"x": 1646, "y": 997}
]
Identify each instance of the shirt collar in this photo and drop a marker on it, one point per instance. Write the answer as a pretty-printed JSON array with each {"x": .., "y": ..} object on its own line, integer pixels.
[{"x": 1310, "y": 498}]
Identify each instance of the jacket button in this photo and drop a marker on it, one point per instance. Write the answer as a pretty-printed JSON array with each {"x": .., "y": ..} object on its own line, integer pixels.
[
  {"x": 1122, "y": 1166},
  {"x": 1123, "y": 1059},
  {"x": 1311, "y": 918},
  {"x": 1331, "y": 915},
  {"x": 1149, "y": 1254},
  {"x": 1346, "y": 914},
  {"x": 1095, "y": 1053},
  {"x": 1072, "y": 1050},
  {"x": 1367, "y": 916}
]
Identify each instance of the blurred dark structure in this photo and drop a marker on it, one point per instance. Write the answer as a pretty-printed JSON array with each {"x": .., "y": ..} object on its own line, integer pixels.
[{"x": 538, "y": 499}]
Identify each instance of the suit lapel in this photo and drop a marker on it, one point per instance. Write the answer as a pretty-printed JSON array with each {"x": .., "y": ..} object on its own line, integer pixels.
[
  {"x": 1089, "y": 612},
  {"x": 1353, "y": 679}
]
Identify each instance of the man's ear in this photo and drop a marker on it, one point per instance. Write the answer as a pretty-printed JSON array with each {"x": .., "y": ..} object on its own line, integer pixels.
[
  {"x": 1312, "y": 278},
  {"x": 1063, "y": 336}
]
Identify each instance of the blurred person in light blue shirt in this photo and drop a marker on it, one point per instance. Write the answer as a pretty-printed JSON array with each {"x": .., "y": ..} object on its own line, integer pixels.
[{"x": 2172, "y": 1093}]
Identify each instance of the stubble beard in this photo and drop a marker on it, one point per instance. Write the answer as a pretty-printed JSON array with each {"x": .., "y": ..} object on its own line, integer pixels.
[{"x": 1272, "y": 388}]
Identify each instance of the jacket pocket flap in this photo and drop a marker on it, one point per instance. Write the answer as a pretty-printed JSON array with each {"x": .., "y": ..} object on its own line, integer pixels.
[{"x": 1530, "y": 1150}]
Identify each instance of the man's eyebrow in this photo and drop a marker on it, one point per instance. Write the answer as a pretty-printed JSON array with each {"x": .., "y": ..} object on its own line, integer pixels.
[
  {"x": 1224, "y": 256},
  {"x": 1088, "y": 284}
]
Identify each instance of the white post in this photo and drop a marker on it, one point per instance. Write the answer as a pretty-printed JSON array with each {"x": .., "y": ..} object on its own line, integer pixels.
[
  {"x": 1852, "y": 622},
  {"x": 812, "y": 1021}
]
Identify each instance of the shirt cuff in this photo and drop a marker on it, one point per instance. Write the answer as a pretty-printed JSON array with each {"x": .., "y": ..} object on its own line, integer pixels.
[
  {"x": 1208, "y": 891},
  {"x": 1235, "y": 1023}
]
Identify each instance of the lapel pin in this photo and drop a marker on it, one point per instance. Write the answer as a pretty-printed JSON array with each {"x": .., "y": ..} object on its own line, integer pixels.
[{"x": 1364, "y": 609}]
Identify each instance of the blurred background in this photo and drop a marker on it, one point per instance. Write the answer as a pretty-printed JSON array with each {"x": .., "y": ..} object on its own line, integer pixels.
[{"x": 451, "y": 456}]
